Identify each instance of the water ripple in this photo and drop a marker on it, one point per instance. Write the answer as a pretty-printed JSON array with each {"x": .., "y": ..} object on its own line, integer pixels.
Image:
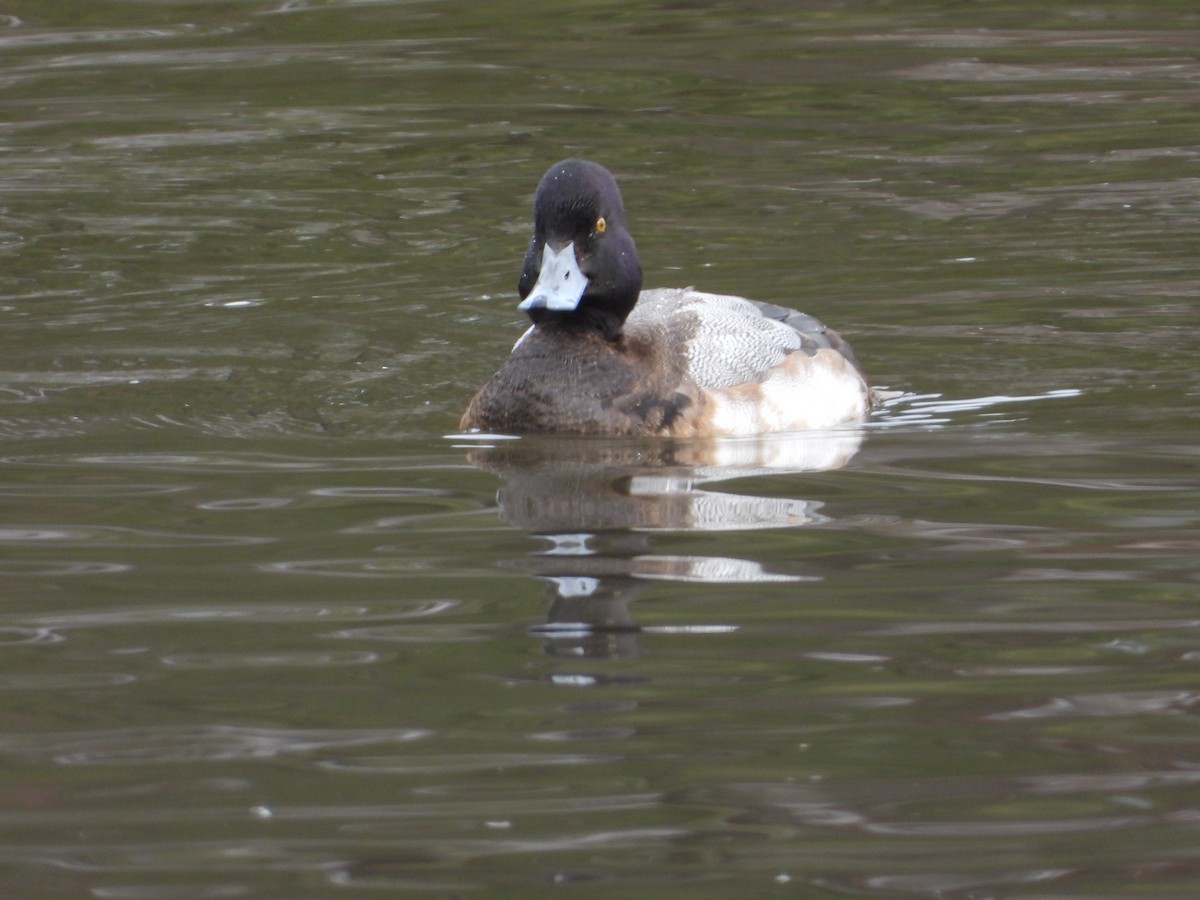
[
  {"x": 248, "y": 613},
  {"x": 63, "y": 681},
  {"x": 313, "y": 659},
  {"x": 101, "y": 491},
  {"x": 93, "y": 535},
  {"x": 193, "y": 744},
  {"x": 933, "y": 409},
  {"x": 957, "y": 829},
  {"x": 172, "y": 891},
  {"x": 10, "y": 636},
  {"x": 937, "y": 885},
  {"x": 246, "y": 503},
  {"x": 1060, "y": 627},
  {"x": 379, "y": 493},
  {"x": 392, "y": 567},
  {"x": 1107, "y": 782},
  {"x": 1117, "y": 704},
  {"x": 57, "y": 568},
  {"x": 423, "y": 634},
  {"x": 461, "y": 762}
]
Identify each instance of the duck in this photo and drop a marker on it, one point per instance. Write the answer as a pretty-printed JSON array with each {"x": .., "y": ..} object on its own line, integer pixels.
[{"x": 604, "y": 357}]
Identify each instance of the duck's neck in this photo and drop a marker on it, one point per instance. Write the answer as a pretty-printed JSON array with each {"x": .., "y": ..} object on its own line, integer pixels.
[{"x": 585, "y": 319}]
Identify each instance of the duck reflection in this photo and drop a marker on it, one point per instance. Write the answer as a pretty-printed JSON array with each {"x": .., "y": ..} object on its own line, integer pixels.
[{"x": 596, "y": 502}]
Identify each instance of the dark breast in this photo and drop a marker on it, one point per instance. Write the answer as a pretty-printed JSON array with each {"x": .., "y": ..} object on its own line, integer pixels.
[{"x": 579, "y": 383}]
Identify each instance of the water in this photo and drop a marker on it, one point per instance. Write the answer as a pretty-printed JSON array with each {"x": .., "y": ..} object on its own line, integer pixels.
[{"x": 270, "y": 629}]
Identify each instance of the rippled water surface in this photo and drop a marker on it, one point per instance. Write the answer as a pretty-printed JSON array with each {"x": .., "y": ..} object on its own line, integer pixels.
[{"x": 270, "y": 629}]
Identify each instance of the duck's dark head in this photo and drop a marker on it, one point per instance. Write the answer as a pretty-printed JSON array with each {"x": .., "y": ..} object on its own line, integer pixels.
[{"x": 582, "y": 268}]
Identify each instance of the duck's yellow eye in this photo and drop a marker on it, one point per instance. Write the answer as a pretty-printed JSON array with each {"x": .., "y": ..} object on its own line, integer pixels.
[{"x": 601, "y": 225}]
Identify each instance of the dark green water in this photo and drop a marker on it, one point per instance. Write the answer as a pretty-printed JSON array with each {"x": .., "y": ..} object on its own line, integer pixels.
[{"x": 269, "y": 630}]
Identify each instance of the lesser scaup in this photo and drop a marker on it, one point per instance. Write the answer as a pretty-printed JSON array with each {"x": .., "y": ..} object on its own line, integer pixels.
[{"x": 605, "y": 357}]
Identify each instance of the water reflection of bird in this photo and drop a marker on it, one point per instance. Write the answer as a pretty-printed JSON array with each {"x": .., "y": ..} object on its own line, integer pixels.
[{"x": 596, "y": 503}]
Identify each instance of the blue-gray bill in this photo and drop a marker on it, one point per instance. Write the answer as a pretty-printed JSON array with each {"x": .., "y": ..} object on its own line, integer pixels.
[{"x": 560, "y": 283}]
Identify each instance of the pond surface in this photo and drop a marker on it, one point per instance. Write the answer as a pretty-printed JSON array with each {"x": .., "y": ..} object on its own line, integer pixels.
[{"x": 270, "y": 629}]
